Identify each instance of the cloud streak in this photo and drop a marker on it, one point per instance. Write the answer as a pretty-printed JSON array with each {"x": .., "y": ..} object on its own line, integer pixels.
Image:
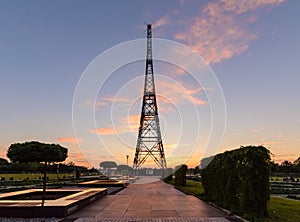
[
  {"x": 176, "y": 94},
  {"x": 126, "y": 125},
  {"x": 160, "y": 22},
  {"x": 220, "y": 31},
  {"x": 69, "y": 140}
]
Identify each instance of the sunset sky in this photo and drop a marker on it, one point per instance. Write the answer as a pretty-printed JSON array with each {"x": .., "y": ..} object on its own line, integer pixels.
[{"x": 251, "y": 47}]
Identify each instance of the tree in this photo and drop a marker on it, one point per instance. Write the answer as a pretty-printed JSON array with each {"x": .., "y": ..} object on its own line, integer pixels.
[
  {"x": 297, "y": 162},
  {"x": 123, "y": 167},
  {"x": 274, "y": 167},
  {"x": 37, "y": 152},
  {"x": 108, "y": 165},
  {"x": 180, "y": 175},
  {"x": 3, "y": 161},
  {"x": 286, "y": 166}
]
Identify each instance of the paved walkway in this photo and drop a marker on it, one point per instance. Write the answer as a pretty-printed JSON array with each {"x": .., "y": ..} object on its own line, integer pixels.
[{"x": 156, "y": 201}]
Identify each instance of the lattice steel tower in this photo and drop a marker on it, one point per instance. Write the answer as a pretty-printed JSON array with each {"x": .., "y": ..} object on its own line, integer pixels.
[{"x": 149, "y": 142}]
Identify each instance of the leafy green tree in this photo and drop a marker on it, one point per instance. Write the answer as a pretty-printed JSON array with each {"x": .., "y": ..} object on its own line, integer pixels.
[
  {"x": 107, "y": 165},
  {"x": 37, "y": 152}
]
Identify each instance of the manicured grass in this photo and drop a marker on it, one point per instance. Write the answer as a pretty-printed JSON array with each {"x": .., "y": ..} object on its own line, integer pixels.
[
  {"x": 23, "y": 176},
  {"x": 280, "y": 209},
  {"x": 193, "y": 187}
]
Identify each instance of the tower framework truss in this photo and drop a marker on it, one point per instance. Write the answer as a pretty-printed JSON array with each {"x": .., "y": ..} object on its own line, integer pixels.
[{"x": 149, "y": 142}]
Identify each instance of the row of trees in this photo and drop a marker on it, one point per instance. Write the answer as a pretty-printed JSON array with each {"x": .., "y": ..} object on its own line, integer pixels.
[
  {"x": 286, "y": 166},
  {"x": 34, "y": 167}
]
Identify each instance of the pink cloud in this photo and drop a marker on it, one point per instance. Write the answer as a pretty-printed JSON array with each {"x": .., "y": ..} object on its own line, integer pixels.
[
  {"x": 220, "y": 30},
  {"x": 127, "y": 124},
  {"x": 243, "y": 6},
  {"x": 160, "y": 22},
  {"x": 69, "y": 140},
  {"x": 175, "y": 93}
]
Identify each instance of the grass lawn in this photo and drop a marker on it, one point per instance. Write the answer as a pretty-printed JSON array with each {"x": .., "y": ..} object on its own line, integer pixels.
[
  {"x": 280, "y": 209},
  {"x": 193, "y": 187},
  {"x": 23, "y": 176}
]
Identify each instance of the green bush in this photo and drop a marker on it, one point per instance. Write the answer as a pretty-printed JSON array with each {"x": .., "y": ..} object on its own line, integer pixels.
[
  {"x": 239, "y": 180},
  {"x": 168, "y": 174},
  {"x": 180, "y": 175}
]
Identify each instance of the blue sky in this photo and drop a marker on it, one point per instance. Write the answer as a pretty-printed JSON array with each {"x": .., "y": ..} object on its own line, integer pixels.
[{"x": 252, "y": 47}]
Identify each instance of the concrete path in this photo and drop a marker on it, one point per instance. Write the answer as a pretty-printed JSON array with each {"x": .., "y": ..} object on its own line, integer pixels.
[{"x": 156, "y": 201}]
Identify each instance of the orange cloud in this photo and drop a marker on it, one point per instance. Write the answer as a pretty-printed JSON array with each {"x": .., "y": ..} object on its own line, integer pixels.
[
  {"x": 283, "y": 157},
  {"x": 3, "y": 152},
  {"x": 127, "y": 124},
  {"x": 69, "y": 140},
  {"x": 133, "y": 122},
  {"x": 104, "y": 131},
  {"x": 219, "y": 32}
]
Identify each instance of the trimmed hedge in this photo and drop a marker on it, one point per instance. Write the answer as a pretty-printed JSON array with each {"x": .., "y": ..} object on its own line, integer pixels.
[
  {"x": 238, "y": 180},
  {"x": 180, "y": 175}
]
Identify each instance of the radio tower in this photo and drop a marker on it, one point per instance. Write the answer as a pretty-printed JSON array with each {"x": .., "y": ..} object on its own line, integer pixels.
[{"x": 149, "y": 142}]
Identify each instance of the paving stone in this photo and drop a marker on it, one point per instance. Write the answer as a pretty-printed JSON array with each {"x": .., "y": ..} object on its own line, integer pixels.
[
  {"x": 163, "y": 219},
  {"x": 155, "y": 201}
]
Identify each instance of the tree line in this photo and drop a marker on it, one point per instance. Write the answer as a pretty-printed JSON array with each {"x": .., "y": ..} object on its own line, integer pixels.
[
  {"x": 286, "y": 166},
  {"x": 31, "y": 157}
]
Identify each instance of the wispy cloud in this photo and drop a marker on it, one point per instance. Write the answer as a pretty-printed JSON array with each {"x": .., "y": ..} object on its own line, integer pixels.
[
  {"x": 175, "y": 93},
  {"x": 272, "y": 142},
  {"x": 283, "y": 157},
  {"x": 220, "y": 31},
  {"x": 69, "y": 140},
  {"x": 255, "y": 130},
  {"x": 160, "y": 22},
  {"x": 105, "y": 100},
  {"x": 170, "y": 146},
  {"x": 104, "y": 131},
  {"x": 243, "y": 6},
  {"x": 125, "y": 125}
]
